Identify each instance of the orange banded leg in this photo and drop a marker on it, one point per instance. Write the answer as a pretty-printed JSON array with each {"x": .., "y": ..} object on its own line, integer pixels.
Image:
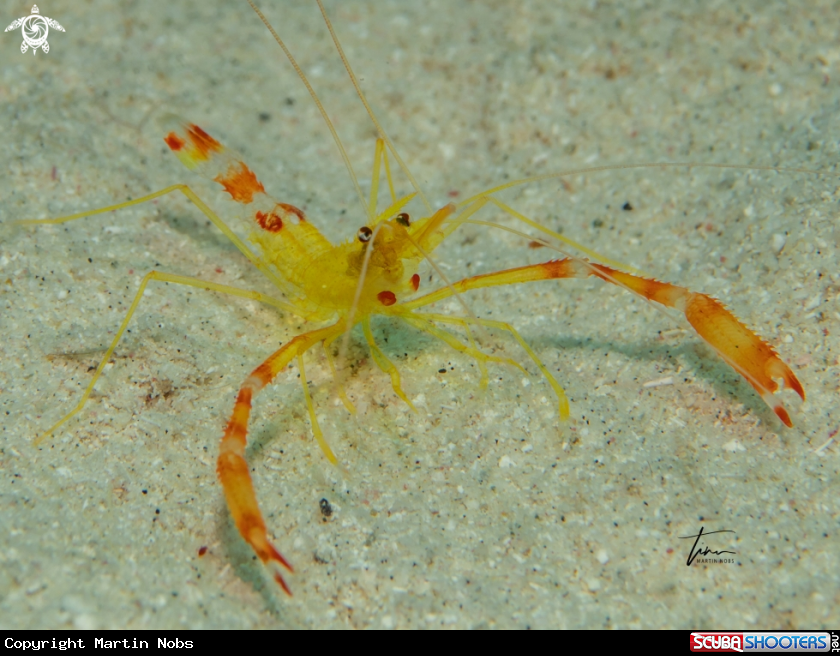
[
  {"x": 232, "y": 467},
  {"x": 741, "y": 348}
]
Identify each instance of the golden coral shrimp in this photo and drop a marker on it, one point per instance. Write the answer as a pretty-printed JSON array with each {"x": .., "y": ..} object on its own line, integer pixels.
[{"x": 376, "y": 274}]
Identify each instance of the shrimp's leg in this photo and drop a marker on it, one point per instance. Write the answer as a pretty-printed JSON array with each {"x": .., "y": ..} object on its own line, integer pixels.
[
  {"x": 563, "y": 401},
  {"x": 257, "y": 261},
  {"x": 341, "y": 393},
  {"x": 316, "y": 428},
  {"x": 163, "y": 277},
  {"x": 385, "y": 364},
  {"x": 421, "y": 322},
  {"x": 741, "y": 348},
  {"x": 482, "y": 366},
  {"x": 232, "y": 467}
]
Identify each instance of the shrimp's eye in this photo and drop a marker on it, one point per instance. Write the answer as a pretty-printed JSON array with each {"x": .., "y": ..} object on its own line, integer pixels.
[
  {"x": 364, "y": 234},
  {"x": 402, "y": 219}
]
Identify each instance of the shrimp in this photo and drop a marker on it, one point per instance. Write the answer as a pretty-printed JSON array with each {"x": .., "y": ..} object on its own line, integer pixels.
[{"x": 378, "y": 273}]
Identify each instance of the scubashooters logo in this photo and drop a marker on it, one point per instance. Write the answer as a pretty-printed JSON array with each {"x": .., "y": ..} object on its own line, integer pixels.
[{"x": 783, "y": 641}]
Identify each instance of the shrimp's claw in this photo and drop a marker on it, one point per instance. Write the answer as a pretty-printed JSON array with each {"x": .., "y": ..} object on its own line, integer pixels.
[
  {"x": 745, "y": 351},
  {"x": 232, "y": 467},
  {"x": 740, "y": 347},
  {"x": 236, "y": 480},
  {"x": 274, "y": 561},
  {"x": 268, "y": 554}
]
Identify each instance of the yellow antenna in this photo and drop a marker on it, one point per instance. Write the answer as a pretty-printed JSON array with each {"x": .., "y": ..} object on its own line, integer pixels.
[
  {"x": 373, "y": 118},
  {"x": 626, "y": 167},
  {"x": 318, "y": 104}
]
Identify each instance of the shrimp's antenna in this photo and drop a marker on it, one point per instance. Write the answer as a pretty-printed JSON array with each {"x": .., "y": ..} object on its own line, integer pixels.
[
  {"x": 373, "y": 118},
  {"x": 320, "y": 106},
  {"x": 628, "y": 167},
  {"x": 351, "y": 317}
]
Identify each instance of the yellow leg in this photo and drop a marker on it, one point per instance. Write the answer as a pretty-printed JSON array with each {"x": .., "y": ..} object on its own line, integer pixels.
[
  {"x": 341, "y": 393},
  {"x": 477, "y": 202},
  {"x": 164, "y": 277},
  {"x": 563, "y": 407},
  {"x": 258, "y": 262},
  {"x": 421, "y": 322},
  {"x": 485, "y": 377},
  {"x": 583, "y": 249},
  {"x": 385, "y": 364},
  {"x": 316, "y": 429}
]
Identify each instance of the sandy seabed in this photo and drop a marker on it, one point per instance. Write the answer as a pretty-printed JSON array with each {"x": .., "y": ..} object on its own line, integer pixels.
[{"x": 482, "y": 509}]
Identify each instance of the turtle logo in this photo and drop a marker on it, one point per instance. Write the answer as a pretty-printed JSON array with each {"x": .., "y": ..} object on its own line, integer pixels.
[{"x": 34, "y": 29}]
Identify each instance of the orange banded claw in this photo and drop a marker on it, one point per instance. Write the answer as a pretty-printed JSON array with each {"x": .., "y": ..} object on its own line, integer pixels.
[
  {"x": 740, "y": 347},
  {"x": 232, "y": 467}
]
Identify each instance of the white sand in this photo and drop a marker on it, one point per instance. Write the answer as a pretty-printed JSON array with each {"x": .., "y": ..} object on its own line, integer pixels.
[{"x": 483, "y": 509}]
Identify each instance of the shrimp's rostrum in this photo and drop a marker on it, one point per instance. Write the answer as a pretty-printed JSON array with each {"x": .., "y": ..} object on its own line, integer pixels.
[{"x": 335, "y": 287}]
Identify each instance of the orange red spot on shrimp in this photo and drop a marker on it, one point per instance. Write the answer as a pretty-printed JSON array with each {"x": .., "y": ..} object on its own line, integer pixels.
[
  {"x": 273, "y": 221},
  {"x": 270, "y": 221},
  {"x": 174, "y": 141},
  {"x": 293, "y": 210},
  {"x": 200, "y": 148},
  {"x": 240, "y": 182},
  {"x": 387, "y": 298}
]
